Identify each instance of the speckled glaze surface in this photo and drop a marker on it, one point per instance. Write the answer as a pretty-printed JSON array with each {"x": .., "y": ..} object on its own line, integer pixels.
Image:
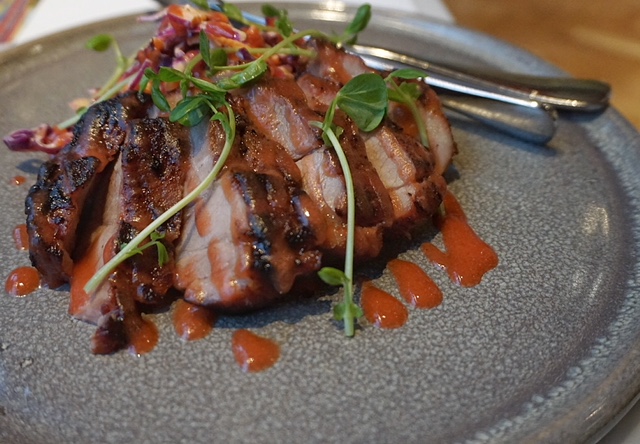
[{"x": 546, "y": 349}]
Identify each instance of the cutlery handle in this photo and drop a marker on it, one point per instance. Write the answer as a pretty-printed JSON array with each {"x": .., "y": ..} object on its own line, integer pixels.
[
  {"x": 562, "y": 93},
  {"x": 531, "y": 124},
  {"x": 559, "y": 92}
]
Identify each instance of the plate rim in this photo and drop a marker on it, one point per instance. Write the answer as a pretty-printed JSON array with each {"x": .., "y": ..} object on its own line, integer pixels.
[{"x": 9, "y": 56}]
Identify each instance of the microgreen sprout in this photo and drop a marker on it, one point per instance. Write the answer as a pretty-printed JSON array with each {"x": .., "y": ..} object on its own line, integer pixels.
[
  {"x": 156, "y": 240},
  {"x": 357, "y": 25},
  {"x": 407, "y": 93},
  {"x": 364, "y": 100},
  {"x": 283, "y": 23},
  {"x": 114, "y": 84},
  {"x": 103, "y": 42}
]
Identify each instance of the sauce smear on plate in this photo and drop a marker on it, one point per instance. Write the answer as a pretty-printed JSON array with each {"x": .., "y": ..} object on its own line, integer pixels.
[
  {"x": 21, "y": 237},
  {"x": 144, "y": 337},
  {"x": 416, "y": 287},
  {"x": 18, "y": 180},
  {"x": 381, "y": 308},
  {"x": 22, "y": 281},
  {"x": 192, "y": 322},
  {"x": 252, "y": 352},
  {"x": 466, "y": 257}
]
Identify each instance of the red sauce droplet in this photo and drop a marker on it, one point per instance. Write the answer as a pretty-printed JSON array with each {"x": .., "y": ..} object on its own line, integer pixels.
[
  {"x": 192, "y": 322},
  {"x": 381, "y": 308},
  {"x": 143, "y": 337},
  {"x": 83, "y": 271},
  {"x": 18, "y": 180},
  {"x": 21, "y": 237},
  {"x": 22, "y": 281},
  {"x": 252, "y": 352},
  {"x": 467, "y": 257},
  {"x": 416, "y": 287}
]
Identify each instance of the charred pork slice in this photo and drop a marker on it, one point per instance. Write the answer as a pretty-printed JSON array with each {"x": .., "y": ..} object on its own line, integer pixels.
[
  {"x": 55, "y": 203},
  {"x": 397, "y": 158},
  {"x": 248, "y": 237},
  {"x": 322, "y": 176},
  {"x": 153, "y": 171},
  {"x": 335, "y": 65},
  {"x": 147, "y": 179}
]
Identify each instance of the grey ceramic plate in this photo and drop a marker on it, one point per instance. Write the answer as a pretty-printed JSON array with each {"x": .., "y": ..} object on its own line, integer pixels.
[{"x": 546, "y": 349}]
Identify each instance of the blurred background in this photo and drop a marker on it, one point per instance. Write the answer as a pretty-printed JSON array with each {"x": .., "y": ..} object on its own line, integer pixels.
[{"x": 588, "y": 38}]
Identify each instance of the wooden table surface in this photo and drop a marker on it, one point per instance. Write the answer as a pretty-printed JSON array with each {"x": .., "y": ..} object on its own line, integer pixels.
[{"x": 587, "y": 38}]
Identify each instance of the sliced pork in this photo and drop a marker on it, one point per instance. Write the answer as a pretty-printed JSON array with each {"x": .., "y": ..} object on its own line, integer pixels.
[
  {"x": 56, "y": 201},
  {"x": 145, "y": 179},
  {"x": 274, "y": 216},
  {"x": 337, "y": 66}
]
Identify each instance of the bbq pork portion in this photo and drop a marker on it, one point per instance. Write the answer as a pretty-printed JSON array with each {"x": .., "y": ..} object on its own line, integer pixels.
[
  {"x": 56, "y": 201},
  {"x": 144, "y": 180},
  {"x": 274, "y": 216}
]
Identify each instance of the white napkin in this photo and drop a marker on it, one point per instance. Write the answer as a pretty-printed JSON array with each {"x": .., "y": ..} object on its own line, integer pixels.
[{"x": 51, "y": 16}]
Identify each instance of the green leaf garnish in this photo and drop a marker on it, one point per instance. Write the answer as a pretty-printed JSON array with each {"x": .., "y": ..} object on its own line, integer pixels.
[
  {"x": 357, "y": 25},
  {"x": 364, "y": 100},
  {"x": 168, "y": 75},
  {"x": 159, "y": 100},
  {"x": 217, "y": 58},
  {"x": 156, "y": 240},
  {"x": 234, "y": 13},
  {"x": 202, "y": 4},
  {"x": 163, "y": 254},
  {"x": 100, "y": 42},
  {"x": 407, "y": 73},
  {"x": 254, "y": 70},
  {"x": 407, "y": 93},
  {"x": 343, "y": 311},
  {"x": 207, "y": 87},
  {"x": 332, "y": 276},
  {"x": 190, "y": 111},
  {"x": 205, "y": 48}
]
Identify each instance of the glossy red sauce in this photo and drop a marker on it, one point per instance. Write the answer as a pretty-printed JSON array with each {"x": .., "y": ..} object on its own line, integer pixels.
[
  {"x": 18, "y": 180},
  {"x": 21, "y": 237},
  {"x": 22, "y": 281},
  {"x": 416, "y": 287},
  {"x": 381, "y": 308},
  {"x": 252, "y": 352},
  {"x": 143, "y": 337},
  {"x": 83, "y": 271},
  {"x": 466, "y": 257},
  {"x": 192, "y": 322}
]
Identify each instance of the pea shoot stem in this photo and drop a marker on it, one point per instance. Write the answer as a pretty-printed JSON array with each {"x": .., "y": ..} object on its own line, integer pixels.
[{"x": 349, "y": 314}]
